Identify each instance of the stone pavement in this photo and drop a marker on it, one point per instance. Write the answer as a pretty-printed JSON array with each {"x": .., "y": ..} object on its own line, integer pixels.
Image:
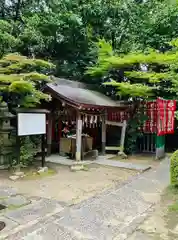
[
  {"x": 112, "y": 215},
  {"x": 119, "y": 164}
]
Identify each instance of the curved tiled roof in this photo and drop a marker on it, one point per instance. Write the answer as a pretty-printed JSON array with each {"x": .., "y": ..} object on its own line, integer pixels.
[{"x": 78, "y": 94}]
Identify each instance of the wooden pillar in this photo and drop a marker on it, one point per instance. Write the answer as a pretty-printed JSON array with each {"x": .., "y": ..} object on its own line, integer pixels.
[
  {"x": 123, "y": 135},
  {"x": 78, "y": 137},
  {"x": 49, "y": 135},
  {"x": 103, "y": 134},
  {"x": 43, "y": 150}
]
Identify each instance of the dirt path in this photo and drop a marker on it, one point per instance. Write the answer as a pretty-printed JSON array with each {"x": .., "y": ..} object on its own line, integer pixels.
[{"x": 71, "y": 187}]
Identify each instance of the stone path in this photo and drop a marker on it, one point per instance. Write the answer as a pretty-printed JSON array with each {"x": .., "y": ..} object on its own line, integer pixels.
[
  {"x": 101, "y": 160},
  {"x": 126, "y": 165},
  {"x": 112, "y": 215}
]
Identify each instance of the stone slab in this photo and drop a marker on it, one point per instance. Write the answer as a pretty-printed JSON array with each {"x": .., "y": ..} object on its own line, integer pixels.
[
  {"x": 9, "y": 226},
  {"x": 105, "y": 218},
  {"x": 50, "y": 231},
  {"x": 146, "y": 185},
  {"x": 114, "y": 215},
  {"x": 6, "y": 191},
  {"x": 15, "y": 201},
  {"x": 34, "y": 211},
  {"x": 65, "y": 161},
  {"x": 43, "y": 230},
  {"x": 126, "y": 165},
  {"x": 139, "y": 236}
]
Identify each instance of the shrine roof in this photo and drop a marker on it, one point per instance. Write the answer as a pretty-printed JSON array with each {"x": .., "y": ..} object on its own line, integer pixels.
[{"x": 76, "y": 93}]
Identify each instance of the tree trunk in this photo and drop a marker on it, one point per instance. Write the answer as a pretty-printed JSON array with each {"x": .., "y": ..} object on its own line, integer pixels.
[
  {"x": 3, "y": 9},
  {"x": 17, "y": 10}
]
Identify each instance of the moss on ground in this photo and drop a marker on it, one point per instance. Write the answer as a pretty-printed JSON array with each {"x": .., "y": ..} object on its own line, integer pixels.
[
  {"x": 33, "y": 175},
  {"x": 170, "y": 202}
]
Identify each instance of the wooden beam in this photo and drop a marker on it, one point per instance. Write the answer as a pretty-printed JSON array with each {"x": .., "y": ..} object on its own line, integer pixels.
[
  {"x": 43, "y": 150},
  {"x": 103, "y": 134},
  {"x": 49, "y": 135},
  {"x": 78, "y": 137},
  {"x": 112, "y": 148},
  {"x": 119, "y": 124}
]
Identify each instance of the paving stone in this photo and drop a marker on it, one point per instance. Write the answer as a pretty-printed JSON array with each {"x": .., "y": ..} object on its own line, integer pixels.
[
  {"x": 15, "y": 201},
  {"x": 146, "y": 185},
  {"x": 33, "y": 211},
  {"x": 20, "y": 174},
  {"x": 105, "y": 217},
  {"x": 51, "y": 231},
  {"x": 109, "y": 216},
  {"x": 139, "y": 236},
  {"x": 30, "y": 229},
  {"x": 46, "y": 230},
  {"x": 9, "y": 226},
  {"x": 7, "y": 191},
  {"x": 126, "y": 165},
  {"x": 14, "y": 177}
]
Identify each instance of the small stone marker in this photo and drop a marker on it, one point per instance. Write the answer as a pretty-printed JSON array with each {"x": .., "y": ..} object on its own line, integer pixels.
[
  {"x": 14, "y": 178},
  {"x": 77, "y": 166},
  {"x": 20, "y": 174},
  {"x": 43, "y": 169}
]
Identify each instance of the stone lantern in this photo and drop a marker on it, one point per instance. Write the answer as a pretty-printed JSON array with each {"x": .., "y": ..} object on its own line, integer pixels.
[{"x": 6, "y": 136}]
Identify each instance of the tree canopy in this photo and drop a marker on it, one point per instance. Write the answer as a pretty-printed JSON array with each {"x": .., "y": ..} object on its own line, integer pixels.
[
  {"x": 137, "y": 74},
  {"x": 65, "y": 31},
  {"x": 22, "y": 80}
]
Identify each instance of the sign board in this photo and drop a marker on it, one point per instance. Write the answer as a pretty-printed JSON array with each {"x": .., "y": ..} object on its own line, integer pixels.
[{"x": 31, "y": 124}]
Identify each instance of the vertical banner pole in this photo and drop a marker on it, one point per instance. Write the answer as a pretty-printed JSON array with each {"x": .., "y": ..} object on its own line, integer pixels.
[
  {"x": 103, "y": 133},
  {"x": 43, "y": 150},
  {"x": 18, "y": 145}
]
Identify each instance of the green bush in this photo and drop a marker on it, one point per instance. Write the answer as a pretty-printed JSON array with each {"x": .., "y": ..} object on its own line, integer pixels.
[
  {"x": 174, "y": 169},
  {"x": 29, "y": 147}
]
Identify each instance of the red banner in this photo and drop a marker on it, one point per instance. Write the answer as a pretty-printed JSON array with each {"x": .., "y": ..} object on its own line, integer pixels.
[
  {"x": 150, "y": 125},
  {"x": 171, "y": 106},
  {"x": 117, "y": 116},
  {"x": 160, "y": 115}
]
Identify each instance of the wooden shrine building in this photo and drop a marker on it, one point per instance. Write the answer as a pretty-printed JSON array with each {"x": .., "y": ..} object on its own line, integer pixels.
[{"x": 81, "y": 115}]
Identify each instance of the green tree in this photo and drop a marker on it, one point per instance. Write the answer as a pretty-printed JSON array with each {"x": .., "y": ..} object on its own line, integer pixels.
[
  {"x": 7, "y": 41},
  {"x": 65, "y": 31},
  {"x": 22, "y": 80},
  {"x": 136, "y": 74},
  {"x": 135, "y": 77}
]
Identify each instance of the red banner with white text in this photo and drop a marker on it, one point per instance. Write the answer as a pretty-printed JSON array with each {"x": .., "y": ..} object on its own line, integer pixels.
[{"x": 160, "y": 114}]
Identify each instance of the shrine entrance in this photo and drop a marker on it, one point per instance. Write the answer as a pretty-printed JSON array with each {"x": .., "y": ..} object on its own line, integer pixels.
[{"x": 77, "y": 124}]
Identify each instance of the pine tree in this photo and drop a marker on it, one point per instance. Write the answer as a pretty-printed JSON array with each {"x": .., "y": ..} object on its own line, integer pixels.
[{"x": 22, "y": 80}]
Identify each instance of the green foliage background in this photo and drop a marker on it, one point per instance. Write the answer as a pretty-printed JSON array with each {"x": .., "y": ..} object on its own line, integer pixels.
[
  {"x": 65, "y": 31},
  {"x": 174, "y": 169},
  {"x": 133, "y": 32}
]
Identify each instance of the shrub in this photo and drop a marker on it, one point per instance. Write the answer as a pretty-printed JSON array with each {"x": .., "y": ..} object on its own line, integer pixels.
[
  {"x": 174, "y": 169},
  {"x": 30, "y": 146}
]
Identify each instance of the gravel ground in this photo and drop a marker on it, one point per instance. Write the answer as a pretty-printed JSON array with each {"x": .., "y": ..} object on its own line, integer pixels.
[{"x": 70, "y": 187}]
